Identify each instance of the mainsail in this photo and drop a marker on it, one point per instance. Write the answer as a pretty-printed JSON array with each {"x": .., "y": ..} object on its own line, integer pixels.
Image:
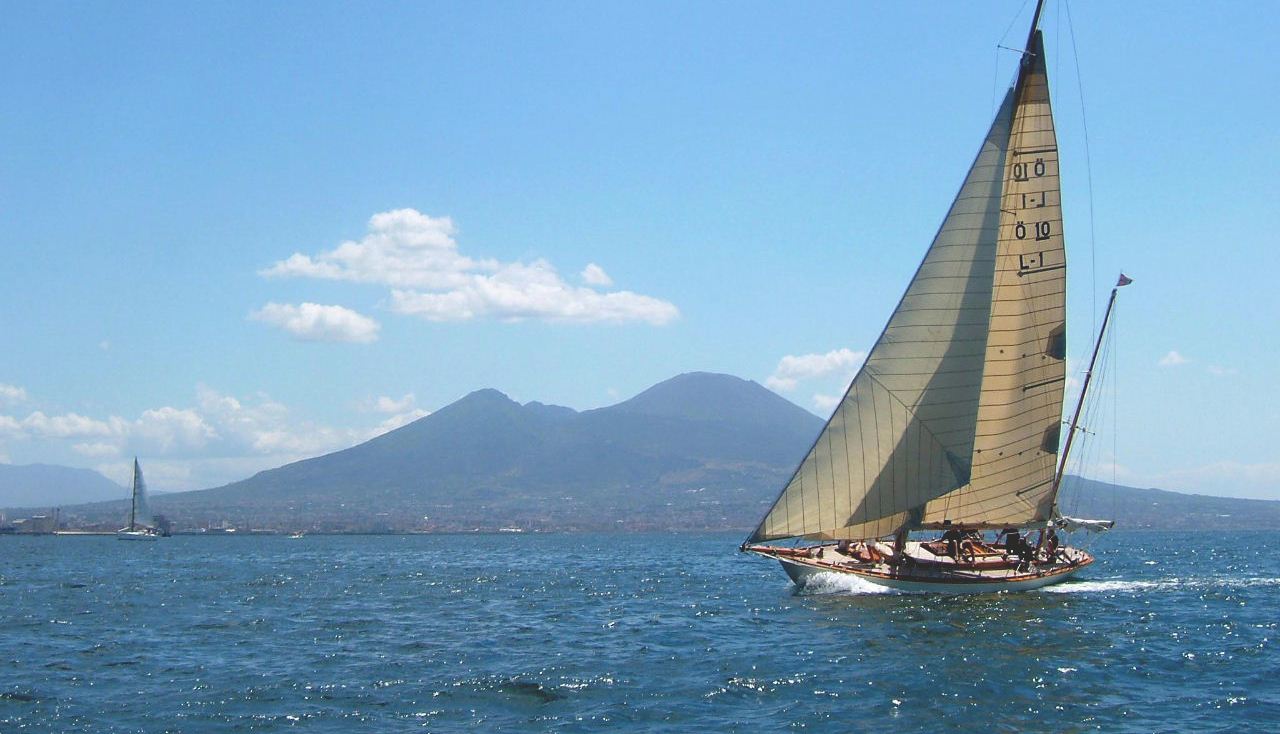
[
  {"x": 140, "y": 511},
  {"x": 1020, "y": 412},
  {"x": 954, "y": 417}
]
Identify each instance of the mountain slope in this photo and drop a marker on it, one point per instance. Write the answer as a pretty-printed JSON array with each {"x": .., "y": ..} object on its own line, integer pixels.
[
  {"x": 44, "y": 485},
  {"x": 699, "y": 451},
  {"x": 1138, "y": 509},
  {"x": 487, "y": 460}
]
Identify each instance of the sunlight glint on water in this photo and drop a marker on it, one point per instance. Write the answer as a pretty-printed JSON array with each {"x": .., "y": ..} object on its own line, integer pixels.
[{"x": 617, "y": 633}]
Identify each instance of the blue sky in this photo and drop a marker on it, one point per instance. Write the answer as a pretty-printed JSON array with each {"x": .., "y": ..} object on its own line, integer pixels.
[{"x": 240, "y": 234}]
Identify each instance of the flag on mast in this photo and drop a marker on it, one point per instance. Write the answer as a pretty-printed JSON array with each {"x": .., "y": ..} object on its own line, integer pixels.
[{"x": 1124, "y": 280}]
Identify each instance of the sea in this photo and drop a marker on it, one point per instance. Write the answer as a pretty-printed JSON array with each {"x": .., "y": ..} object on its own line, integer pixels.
[{"x": 620, "y": 633}]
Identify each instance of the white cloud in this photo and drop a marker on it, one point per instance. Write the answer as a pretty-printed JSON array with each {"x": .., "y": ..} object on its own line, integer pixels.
[
  {"x": 1214, "y": 369},
  {"x": 1173, "y": 358},
  {"x": 71, "y": 425},
  {"x": 792, "y": 369},
  {"x": 417, "y": 257},
  {"x": 170, "y": 430},
  {"x": 385, "y": 404},
  {"x": 317, "y": 323},
  {"x": 219, "y": 439},
  {"x": 595, "y": 275},
  {"x": 403, "y": 248},
  {"x": 12, "y": 394},
  {"x": 533, "y": 291},
  {"x": 10, "y": 426},
  {"x": 104, "y": 345},
  {"x": 826, "y": 404},
  {"x": 100, "y": 449},
  {"x": 398, "y": 420}
]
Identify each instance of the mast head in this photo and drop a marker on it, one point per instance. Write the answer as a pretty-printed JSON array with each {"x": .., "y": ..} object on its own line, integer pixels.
[{"x": 1031, "y": 48}]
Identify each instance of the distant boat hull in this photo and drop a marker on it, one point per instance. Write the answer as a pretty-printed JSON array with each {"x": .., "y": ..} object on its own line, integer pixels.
[
  {"x": 135, "y": 535},
  {"x": 932, "y": 577}
]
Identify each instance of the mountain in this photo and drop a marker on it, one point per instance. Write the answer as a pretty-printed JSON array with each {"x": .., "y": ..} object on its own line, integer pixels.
[
  {"x": 1158, "y": 509},
  {"x": 45, "y": 485},
  {"x": 698, "y": 450}
]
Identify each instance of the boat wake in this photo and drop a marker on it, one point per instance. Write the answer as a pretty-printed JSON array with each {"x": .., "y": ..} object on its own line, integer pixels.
[
  {"x": 1124, "y": 587},
  {"x": 841, "y": 583},
  {"x": 1093, "y": 587}
]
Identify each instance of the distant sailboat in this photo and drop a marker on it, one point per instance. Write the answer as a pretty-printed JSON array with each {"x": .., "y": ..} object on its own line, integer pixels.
[
  {"x": 953, "y": 423},
  {"x": 142, "y": 525}
]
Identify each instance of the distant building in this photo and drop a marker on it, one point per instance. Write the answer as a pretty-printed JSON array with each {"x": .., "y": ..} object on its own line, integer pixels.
[
  {"x": 36, "y": 525},
  {"x": 164, "y": 525}
]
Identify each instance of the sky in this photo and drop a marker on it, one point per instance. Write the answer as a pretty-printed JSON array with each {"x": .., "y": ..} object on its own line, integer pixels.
[{"x": 238, "y": 234}]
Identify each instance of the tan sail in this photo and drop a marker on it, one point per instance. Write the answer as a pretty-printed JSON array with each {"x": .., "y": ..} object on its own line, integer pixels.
[
  {"x": 955, "y": 417},
  {"x": 954, "y": 421},
  {"x": 904, "y": 432},
  {"x": 1020, "y": 411}
]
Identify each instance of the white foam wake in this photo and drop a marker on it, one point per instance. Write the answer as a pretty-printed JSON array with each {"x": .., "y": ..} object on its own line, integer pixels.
[
  {"x": 842, "y": 583},
  {"x": 1091, "y": 587},
  {"x": 1124, "y": 586}
]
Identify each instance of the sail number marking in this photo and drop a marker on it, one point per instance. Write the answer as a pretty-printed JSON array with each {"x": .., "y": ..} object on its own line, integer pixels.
[
  {"x": 1041, "y": 230},
  {"x": 1024, "y": 171},
  {"x": 1033, "y": 262}
]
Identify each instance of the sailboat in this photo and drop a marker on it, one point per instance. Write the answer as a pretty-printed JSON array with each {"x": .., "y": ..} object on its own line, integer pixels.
[
  {"x": 142, "y": 525},
  {"x": 952, "y": 425}
]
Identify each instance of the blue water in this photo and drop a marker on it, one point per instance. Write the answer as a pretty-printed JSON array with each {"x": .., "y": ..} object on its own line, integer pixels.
[{"x": 573, "y": 633}]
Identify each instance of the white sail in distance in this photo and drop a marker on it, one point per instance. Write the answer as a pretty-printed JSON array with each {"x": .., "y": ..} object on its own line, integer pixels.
[
  {"x": 935, "y": 427},
  {"x": 140, "y": 512}
]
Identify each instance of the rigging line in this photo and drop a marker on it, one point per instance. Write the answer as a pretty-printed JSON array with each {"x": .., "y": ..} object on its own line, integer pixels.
[
  {"x": 995, "y": 81},
  {"x": 1013, "y": 20},
  {"x": 1088, "y": 167},
  {"x": 1102, "y": 504},
  {"x": 1115, "y": 419}
]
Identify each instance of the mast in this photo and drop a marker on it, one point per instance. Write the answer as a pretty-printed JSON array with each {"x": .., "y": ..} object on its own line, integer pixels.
[
  {"x": 1035, "y": 23},
  {"x": 133, "y": 499},
  {"x": 1084, "y": 389}
]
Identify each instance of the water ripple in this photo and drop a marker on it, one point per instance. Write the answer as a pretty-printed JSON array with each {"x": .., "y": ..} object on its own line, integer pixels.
[{"x": 617, "y": 633}]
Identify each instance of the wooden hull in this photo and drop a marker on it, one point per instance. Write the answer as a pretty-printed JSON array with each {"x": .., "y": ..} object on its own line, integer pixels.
[{"x": 932, "y": 577}]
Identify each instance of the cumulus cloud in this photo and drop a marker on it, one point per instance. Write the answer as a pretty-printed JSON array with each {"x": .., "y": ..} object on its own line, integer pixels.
[
  {"x": 1172, "y": 359},
  {"x": 316, "y": 323},
  {"x": 793, "y": 369},
  {"x": 71, "y": 425},
  {"x": 403, "y": 248},
  {"x": 12, "y": 394},
  {"x": 595, "y": 275},
  {"x": 533, "y": 291},
  {"x": 417, "y": 257},
  {"x": 96, "y": 449},
  {"x": 169, "y": 430},
  {"x": 219, "y": 439},
  {"x": 398, "y": 420},
  {"x": 400, "y": 412},
  {"x": 826, "y": 403},
  {"x": 385, "y": 404}
]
